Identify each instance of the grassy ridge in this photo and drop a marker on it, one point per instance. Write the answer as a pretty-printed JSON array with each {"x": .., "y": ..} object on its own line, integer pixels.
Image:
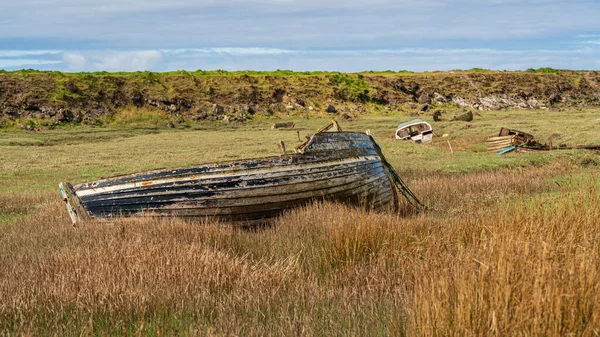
[{"x": 49, "y": 99}]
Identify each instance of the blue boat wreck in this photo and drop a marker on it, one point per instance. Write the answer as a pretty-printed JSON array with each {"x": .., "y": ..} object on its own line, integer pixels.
[{"x": 331, "y": 165}]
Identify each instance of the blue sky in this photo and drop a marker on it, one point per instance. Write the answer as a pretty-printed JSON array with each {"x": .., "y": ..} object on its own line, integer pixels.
[{"x": 335, "y": 35}]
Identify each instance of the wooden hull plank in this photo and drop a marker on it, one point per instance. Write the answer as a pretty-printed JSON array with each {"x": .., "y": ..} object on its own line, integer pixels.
[
  {"x": 250, "y": 184},
  {"x": 241, "y": 204}
]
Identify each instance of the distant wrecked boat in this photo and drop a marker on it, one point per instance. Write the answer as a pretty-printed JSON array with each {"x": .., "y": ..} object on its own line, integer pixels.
[
  {"x": 331, "y": 165},
  {"x": 417, "y": 130}
]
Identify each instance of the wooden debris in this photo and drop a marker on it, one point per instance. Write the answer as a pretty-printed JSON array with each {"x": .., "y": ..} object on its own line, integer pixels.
[
  {"x": 495, "y": 144},
  {"x": 510, "y": 132},
  {"x": 283, "y": 125},
  {"x": 282, "y": 148},
  {"x": 510, "y": 140}
]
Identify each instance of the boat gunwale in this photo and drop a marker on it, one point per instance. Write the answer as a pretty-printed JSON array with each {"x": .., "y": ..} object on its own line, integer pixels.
[
  {"x": 345, "y": 153},
  {"x": 367, "y": 164},
  {"x": 364, "y": 173}
]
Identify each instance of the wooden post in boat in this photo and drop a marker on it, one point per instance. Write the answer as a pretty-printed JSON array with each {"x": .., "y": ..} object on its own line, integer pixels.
[{"x": 282, "y": 148}]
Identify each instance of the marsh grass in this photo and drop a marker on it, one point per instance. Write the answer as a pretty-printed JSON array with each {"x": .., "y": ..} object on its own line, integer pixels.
[
  {"x": 505, "y": 262},
  {"x": 508, "y": 247}
]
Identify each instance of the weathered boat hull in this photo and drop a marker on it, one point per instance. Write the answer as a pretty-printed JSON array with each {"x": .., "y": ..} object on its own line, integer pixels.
[{"x": 341, "y": 166}]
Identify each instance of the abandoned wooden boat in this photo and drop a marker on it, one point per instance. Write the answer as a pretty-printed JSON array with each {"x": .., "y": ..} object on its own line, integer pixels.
[
  {"x": 332, "y": 165},
  {"x": 417, "y": 130}
]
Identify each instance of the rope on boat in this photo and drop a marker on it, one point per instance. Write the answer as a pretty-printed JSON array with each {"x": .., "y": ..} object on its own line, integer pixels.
[
  {"x": 399, "y": 183},
  {"x": 406, "y": 192}
]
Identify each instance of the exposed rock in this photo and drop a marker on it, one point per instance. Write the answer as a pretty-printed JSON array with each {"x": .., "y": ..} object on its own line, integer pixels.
[
  {"x": 460, "y": 102},
  {"x": 331, "y": 109},
  {"x": 77, "y": 117},
  {"x": 64, "y": 116},
  {"x": 498, "y": 102},
  {"x": 279, "y": 95},
  {"x": 72, "y": 87},
  {"x": 554, "y": 98},
  {"x": 48, "y": 111},
  {"x": 380, "y": 100},
  {"x": 438, "y": 98},
  {"x": 425, "y": 98},
  {"x": 466, "y": 117},
  {"x": 414, "y": 87},
  {"x": 411, "y": 89},
  {"x": 138, "y": 99},
  {"x": 524, "y": 94},
  {"x": 32, "y": 108},
  {"x": 217, "y": 109},
  {"x": 346, "y": 116},
  {"x": 201, "y": 116},
  {"x": 240, "y": 117}
]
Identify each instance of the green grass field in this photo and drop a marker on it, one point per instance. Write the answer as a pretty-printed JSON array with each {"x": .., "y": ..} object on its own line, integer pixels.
[{"x": 509, "y": 247}]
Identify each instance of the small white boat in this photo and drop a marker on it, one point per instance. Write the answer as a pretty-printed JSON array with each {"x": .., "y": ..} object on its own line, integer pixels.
[{"x": 417, "y": 130}]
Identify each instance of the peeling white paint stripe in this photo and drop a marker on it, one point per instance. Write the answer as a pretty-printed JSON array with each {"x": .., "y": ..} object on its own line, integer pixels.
[{"x": 290, "y": 168}]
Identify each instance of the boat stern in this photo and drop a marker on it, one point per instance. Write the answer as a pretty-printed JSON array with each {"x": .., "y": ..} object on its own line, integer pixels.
[{"x": 74, "y": 207}]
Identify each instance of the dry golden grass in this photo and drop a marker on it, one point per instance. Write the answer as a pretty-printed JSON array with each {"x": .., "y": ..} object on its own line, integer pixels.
[{"x": 501, "y": 253}]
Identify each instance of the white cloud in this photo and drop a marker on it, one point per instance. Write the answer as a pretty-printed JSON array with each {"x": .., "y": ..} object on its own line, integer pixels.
[
  {"x": 230, "y": 51},
  {"x": 21, "y": 53},
  {"x": 75, "y": 62},
  {"x": 128, "y": 61},
  {"x": 25, "y": 63},
  {"x": 416, "y": 59}
]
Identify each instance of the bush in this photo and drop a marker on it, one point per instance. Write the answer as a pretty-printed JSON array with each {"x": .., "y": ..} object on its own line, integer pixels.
[
  {"x": 545, "y": 70},
  {"x": 351, "y": 88},
  {"x": 135, "y": 117}
]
